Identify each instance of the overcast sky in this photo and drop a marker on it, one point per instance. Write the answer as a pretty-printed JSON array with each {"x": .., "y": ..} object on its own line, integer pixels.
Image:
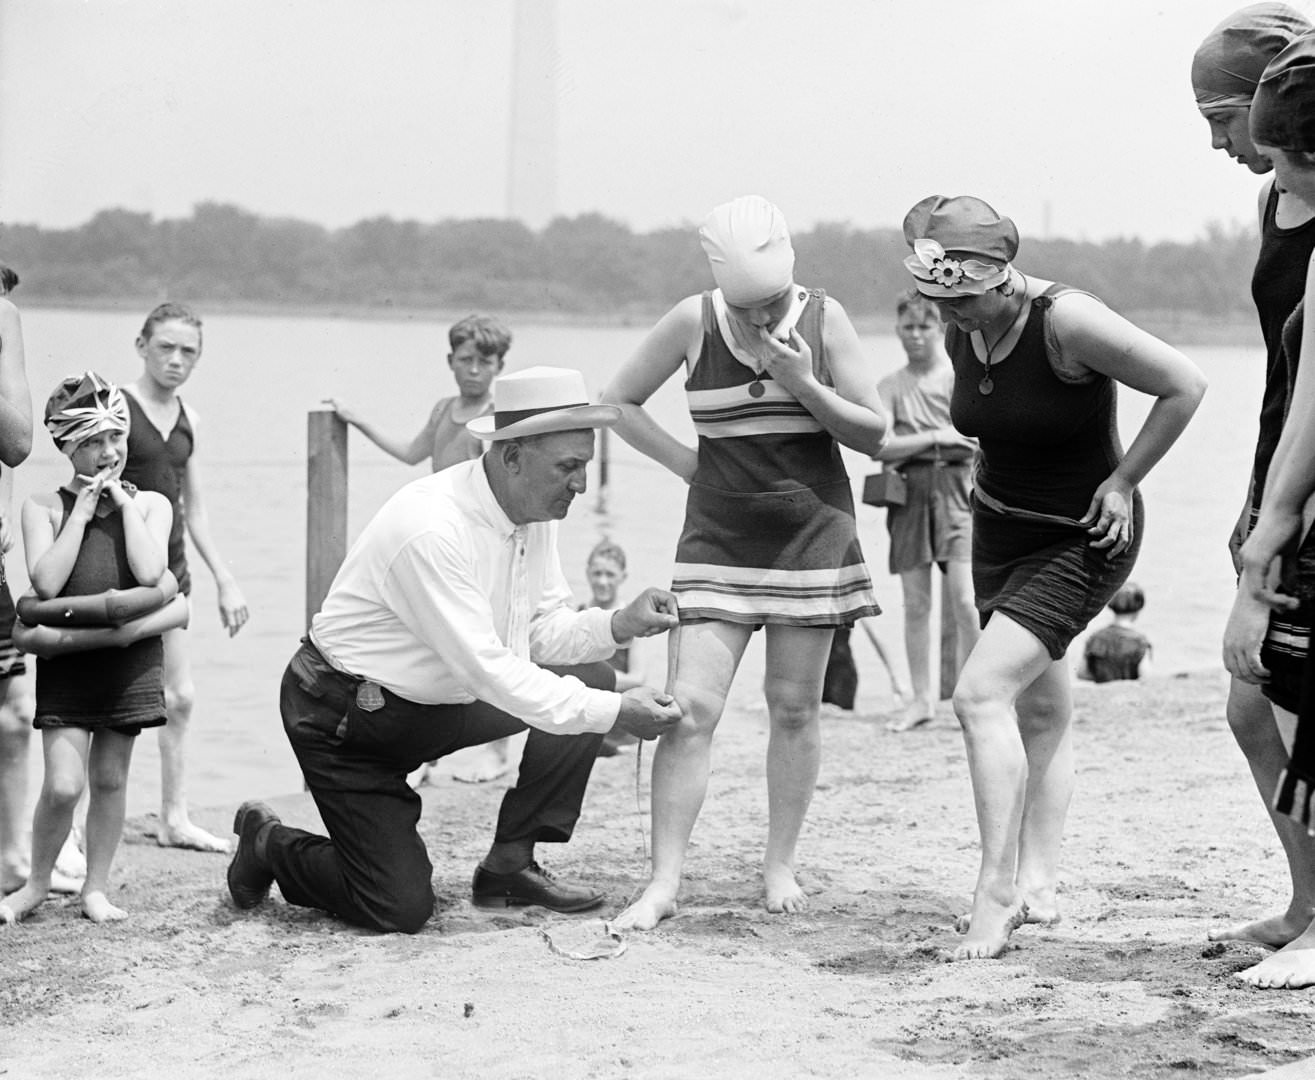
[{"x": 1074, "y": 116}]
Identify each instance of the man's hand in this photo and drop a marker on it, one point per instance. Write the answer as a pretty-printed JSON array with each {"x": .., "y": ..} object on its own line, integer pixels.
[
  {"x": 647, "y": 714},
  {"x": 649, "y": 613}
]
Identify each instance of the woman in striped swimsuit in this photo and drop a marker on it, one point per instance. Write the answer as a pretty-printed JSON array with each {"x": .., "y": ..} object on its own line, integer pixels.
[{"x": 775, "y": 378}]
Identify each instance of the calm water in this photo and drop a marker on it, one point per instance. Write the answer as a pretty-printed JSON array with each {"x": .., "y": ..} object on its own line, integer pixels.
[{"x": 260, "y": 375}]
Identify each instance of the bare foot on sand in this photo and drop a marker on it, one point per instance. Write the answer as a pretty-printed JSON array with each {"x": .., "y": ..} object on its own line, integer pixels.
[
  {"x": 487, "y": 763},
  {"x": 1291, "y": 968},
  {"x": 989, "y": 929},
  {"x": 191, "y": 837},
  {"x": 781, "y": 893},
  {"x": 645, "y": 913},
  {"x": 1040, "y": 909},
  {"x": 19, "y": 905},
  {"x": 908, "y": 722},
  {"x": 97, "y": 907},
  {"x": 1272, "y": 933}
]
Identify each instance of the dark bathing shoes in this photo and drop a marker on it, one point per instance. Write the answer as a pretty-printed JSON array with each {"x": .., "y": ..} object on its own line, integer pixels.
[
  {"x": 528, "y": 886},
  {"x": 249, "y": 876}
]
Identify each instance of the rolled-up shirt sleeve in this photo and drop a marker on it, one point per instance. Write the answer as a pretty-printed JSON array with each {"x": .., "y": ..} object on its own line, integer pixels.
[
  {"x": 432, "y": 587},
  {"x": 561, "y": 634}
]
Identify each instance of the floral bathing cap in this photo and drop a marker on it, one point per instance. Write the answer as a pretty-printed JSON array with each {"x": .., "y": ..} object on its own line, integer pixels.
[
  {"x": 1229, "y": 62},
  {"x": 83, "y": 406},
  {"x": 1283, "y": 112},
  {"x": 961, "y": 246},
  {"x": 749, "y": 251}
]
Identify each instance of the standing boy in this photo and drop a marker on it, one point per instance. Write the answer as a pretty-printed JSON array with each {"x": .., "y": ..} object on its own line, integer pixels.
[
  {"x": 161, "y": 457},
  {"x": 935, "y": 524}
]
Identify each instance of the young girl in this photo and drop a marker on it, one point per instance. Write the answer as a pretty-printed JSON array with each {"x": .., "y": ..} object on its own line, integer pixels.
[{"x": 92, "y": 535}]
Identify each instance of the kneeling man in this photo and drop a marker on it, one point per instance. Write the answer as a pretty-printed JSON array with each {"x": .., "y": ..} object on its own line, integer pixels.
[{"x": 450, "y": 624}]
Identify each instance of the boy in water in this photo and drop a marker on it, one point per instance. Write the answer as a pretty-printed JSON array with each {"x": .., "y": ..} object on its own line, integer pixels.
[
  {"x": 1119, "y": 650},
  {"x": 479, "y": 346}
]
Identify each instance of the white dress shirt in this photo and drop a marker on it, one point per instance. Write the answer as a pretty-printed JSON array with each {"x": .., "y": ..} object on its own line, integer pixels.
[{"x": 443, "y": 600}]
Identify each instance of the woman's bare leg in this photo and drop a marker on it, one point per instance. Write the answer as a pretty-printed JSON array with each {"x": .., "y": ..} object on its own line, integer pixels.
[
  {"x": 796, "y": 664},
  {"x": 1045, "y": 714},
  {"x": 707, "y": 656},
  {"x": 1006, "y": 660},
  {"x": 1254, "y": 723}
]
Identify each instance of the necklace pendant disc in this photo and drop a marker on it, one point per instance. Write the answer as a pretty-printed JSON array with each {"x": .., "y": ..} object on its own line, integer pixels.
[
  {"x": 756, "y": 389},
  {"x": 986, "y": 386}
]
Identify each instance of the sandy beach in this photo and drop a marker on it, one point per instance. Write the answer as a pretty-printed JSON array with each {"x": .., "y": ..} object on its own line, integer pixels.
[{"x": 1166, "y": 838}]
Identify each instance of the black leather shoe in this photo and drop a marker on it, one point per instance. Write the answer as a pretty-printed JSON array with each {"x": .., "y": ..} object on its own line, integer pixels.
[
  {"x": 249, "y": 875},
  {"x": 532, "y": 885}
]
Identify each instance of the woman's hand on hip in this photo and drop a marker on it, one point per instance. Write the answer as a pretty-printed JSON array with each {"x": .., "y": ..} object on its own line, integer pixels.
[{"x": 1109, "y": 517}]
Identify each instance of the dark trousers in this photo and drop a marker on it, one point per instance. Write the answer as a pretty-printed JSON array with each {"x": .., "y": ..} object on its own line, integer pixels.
[{"x": 373, "y": 869}]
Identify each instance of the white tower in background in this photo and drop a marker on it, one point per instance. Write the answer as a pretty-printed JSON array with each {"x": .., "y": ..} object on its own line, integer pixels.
[{"x": 532, "y": 150}]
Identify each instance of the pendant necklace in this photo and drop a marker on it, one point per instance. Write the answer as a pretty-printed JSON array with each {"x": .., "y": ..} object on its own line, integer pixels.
[{"x": 987, "y": 385}]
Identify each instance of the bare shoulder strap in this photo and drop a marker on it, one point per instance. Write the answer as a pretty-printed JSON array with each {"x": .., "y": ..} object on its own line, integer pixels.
[{"x": 1054, "y": 352}]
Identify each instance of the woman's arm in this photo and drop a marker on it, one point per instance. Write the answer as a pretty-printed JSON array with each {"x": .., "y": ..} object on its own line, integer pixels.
[
  {"x": 15, "y": 395},
  {"x": 1092, "y": 335},
  {"x": 852, "y": 413},
  {"x": 899, "y": 448},
  {"x": 232, "y": 604},
  {"x": 1288, "y": 487},
  {"x": 675, "y": 338}
]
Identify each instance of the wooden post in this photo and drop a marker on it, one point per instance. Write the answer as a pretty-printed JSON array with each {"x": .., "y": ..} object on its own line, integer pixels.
[{"x": 326, "y": 503}]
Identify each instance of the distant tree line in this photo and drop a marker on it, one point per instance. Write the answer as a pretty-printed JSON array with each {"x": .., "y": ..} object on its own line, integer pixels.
[{"x": 588, "y": 265}]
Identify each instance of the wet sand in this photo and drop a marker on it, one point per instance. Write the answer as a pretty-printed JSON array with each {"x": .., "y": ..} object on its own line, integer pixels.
[{"x": 1167, "y": 838}]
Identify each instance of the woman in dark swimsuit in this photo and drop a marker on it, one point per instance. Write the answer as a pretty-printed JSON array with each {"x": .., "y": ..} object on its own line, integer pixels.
[
  {"x": 1281, "y": 547},
  {"x": 1225, "y": 71},
  {"x": 1056, "y": 524}
]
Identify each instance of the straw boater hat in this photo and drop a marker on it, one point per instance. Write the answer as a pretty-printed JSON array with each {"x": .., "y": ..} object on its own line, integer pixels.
[{"x": 539, "y": 400}]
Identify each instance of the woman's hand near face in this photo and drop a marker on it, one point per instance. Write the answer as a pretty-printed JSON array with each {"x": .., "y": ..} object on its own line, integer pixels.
[{"x": 788, "y": 362}]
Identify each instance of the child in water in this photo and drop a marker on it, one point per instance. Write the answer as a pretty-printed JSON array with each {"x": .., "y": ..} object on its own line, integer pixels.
[
  {"x": 1119, "y": 650},
  {"x": 95, "y": 534}
]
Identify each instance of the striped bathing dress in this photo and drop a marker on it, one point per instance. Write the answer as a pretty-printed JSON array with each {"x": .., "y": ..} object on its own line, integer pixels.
[{"x": 769, "y": 533}]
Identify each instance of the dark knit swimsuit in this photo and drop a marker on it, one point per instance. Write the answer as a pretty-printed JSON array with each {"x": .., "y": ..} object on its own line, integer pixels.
[
  {"x": 114, "y": 688},
  {"x": 1046, "y": 445},
  {"x": 156, "y": 463}
]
